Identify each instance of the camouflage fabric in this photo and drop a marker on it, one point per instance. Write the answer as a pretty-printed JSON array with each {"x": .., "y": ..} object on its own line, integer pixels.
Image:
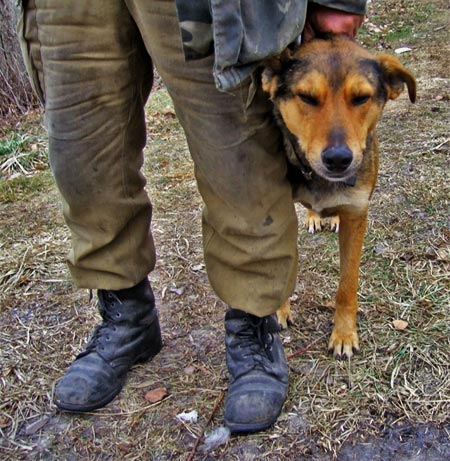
[
  {"x": 241, "y": 33},
  {"x": 196, "y": 28}
]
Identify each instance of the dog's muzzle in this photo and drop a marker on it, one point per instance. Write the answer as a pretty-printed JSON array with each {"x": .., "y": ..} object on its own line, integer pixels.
[{"x": 337, "y": 160}]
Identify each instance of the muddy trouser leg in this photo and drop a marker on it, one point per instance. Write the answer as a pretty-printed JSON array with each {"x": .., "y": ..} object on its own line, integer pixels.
[
  {"x": 88, "y": 63},
  {"x": 249, "y": 220},
  {"x": 95, "y": 79}
]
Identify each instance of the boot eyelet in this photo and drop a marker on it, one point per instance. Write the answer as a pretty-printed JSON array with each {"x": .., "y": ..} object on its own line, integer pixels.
[{"x": 118, "y": 315}]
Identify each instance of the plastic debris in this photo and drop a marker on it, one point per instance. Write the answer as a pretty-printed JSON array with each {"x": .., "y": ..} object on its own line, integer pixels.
[
  {"x": 188, "y": 417},
  {"x": 403, "y": 49},
  {"x": 215, "y": 438}
]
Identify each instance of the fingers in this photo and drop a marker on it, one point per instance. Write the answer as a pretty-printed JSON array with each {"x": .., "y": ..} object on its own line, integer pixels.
[{"x": 323, "y": 20}]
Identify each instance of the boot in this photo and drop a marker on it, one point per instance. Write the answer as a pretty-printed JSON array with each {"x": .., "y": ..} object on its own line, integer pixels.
[
  {"x": 258, "y": 371},
  {"x": 128, "y": 334}
]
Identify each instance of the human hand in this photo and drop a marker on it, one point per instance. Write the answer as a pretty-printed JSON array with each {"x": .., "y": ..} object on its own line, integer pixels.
[{"x": 323, "y": 20}]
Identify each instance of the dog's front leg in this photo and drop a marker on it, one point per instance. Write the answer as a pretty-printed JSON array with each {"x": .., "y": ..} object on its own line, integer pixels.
[{"x": 344, "y": 338}]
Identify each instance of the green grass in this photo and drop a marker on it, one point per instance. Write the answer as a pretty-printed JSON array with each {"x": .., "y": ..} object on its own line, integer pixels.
[
  {"x": 24, "y": 187},
  {"x": 23, "y": 159},
  {"x": 13, "y": 144},
  {"x": 405, "y": 24},
  {"x": 21, "y": 154}
]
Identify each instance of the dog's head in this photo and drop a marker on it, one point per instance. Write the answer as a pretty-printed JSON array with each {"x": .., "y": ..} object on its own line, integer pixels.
[{"x": 330, "y": 95}]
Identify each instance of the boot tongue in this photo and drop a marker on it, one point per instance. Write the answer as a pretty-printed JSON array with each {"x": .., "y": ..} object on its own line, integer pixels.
[
  {"x": 272, "y": 324},
  {"x": 237, "y": 314},
  {"x": 107, "y": 301},
  {"x": 255, "y": 334}
]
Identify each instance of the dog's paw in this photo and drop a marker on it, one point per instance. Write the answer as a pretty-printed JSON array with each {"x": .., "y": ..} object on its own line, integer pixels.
[
  {"x": 334, "y": 223},
  {"x": 284, "y": 315},
  {"x": 313, "y": 222},
  {"x": 343, "y": 344}
]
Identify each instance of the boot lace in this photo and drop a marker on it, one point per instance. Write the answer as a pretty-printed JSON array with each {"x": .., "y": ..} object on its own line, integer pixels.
[
  {"x": 257, "y": 339},
  {"x": 103, "y": 330}
]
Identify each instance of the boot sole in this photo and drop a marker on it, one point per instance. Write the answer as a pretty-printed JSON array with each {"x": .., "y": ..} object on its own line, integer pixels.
[{"x": 236, "y": 428}]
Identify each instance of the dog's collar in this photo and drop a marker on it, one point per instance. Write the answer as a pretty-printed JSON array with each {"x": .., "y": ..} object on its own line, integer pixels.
[{"x": 303, "y": 165}]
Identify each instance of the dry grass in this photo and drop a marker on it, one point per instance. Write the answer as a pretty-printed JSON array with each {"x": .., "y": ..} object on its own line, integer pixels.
[{"x": 397, "y": 387}]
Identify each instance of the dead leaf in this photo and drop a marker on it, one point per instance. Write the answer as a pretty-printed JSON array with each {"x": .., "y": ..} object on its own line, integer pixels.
[
  {"x": 4, "y": 422},
  {"x": 155, "y": 395},
  {"x": 400, "y": 324}
]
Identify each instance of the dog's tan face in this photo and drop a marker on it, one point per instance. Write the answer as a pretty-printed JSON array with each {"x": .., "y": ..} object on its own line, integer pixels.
[{"x": 330, "y": 95}]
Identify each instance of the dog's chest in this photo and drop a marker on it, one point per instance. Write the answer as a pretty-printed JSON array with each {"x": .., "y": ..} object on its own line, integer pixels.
[{"x": 329, "y": 200}]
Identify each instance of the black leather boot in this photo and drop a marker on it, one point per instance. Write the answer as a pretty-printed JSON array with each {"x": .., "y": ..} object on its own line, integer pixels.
[
  {"x": 258, "y": 371},
  {"x": 129, "y": 333}
]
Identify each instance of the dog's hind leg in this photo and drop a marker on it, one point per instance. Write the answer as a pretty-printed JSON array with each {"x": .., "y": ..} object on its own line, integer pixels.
[{"x": 344, "y": 338}]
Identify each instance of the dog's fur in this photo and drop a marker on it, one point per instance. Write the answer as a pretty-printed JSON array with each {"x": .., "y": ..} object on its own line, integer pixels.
[{"x": 328, "y": 97}]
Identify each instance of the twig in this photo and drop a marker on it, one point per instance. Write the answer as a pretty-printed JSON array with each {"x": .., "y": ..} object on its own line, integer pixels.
[
  {"x": 306, "y": 348},
  {"x": 202, "y": 433}
]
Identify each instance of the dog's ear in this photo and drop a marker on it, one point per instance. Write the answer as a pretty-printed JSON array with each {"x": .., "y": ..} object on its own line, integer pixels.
[
  {"x": 395, "y": 76},
  {"x": 272, "y": 69},
  {"x": 269, "y": 78}
]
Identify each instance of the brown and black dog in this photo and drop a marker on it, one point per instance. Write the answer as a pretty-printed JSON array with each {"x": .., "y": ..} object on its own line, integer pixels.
[{"x": 328, "y": 96}]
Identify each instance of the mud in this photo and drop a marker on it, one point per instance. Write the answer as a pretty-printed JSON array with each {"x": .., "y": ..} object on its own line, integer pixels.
[{"x": 402, "y": 443}]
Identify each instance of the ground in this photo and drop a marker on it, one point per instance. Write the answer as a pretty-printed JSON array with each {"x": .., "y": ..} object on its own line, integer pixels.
[{"x": 392, "y": 401}]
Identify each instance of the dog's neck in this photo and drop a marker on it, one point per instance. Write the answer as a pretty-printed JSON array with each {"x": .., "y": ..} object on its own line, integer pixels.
[{"x": 298, "y": 159}]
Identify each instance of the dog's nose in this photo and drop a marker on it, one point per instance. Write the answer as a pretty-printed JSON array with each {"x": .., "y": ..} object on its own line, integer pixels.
[{"x": 337, "y": 159}]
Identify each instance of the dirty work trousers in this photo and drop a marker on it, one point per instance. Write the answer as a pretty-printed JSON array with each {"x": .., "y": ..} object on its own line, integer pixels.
[{"x": 90, "y": 63}]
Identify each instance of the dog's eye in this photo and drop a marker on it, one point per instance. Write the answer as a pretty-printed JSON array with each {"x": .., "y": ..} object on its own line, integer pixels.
[
  {"x": 308, "y": 99},
  {"x": 360, "y": 100}
]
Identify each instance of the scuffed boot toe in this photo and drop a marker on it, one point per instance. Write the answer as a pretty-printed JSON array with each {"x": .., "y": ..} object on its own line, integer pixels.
[
  {"x": 251, "y": 407},
  {"x": 88, "y": 384}
]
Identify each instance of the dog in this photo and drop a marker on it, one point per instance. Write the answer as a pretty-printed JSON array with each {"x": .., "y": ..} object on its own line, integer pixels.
[{"x": 328, "y": 96}]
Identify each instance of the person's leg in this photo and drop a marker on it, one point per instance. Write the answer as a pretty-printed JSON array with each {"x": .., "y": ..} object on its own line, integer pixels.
[
  {"x": 94, "y": 75},
  {"x": 249, "y": 221},
  {"x": 250, "y": 225}
]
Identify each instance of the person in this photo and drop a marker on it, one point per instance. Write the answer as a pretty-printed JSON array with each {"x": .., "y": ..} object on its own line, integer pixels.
[{"x": 91, "y": 63}]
